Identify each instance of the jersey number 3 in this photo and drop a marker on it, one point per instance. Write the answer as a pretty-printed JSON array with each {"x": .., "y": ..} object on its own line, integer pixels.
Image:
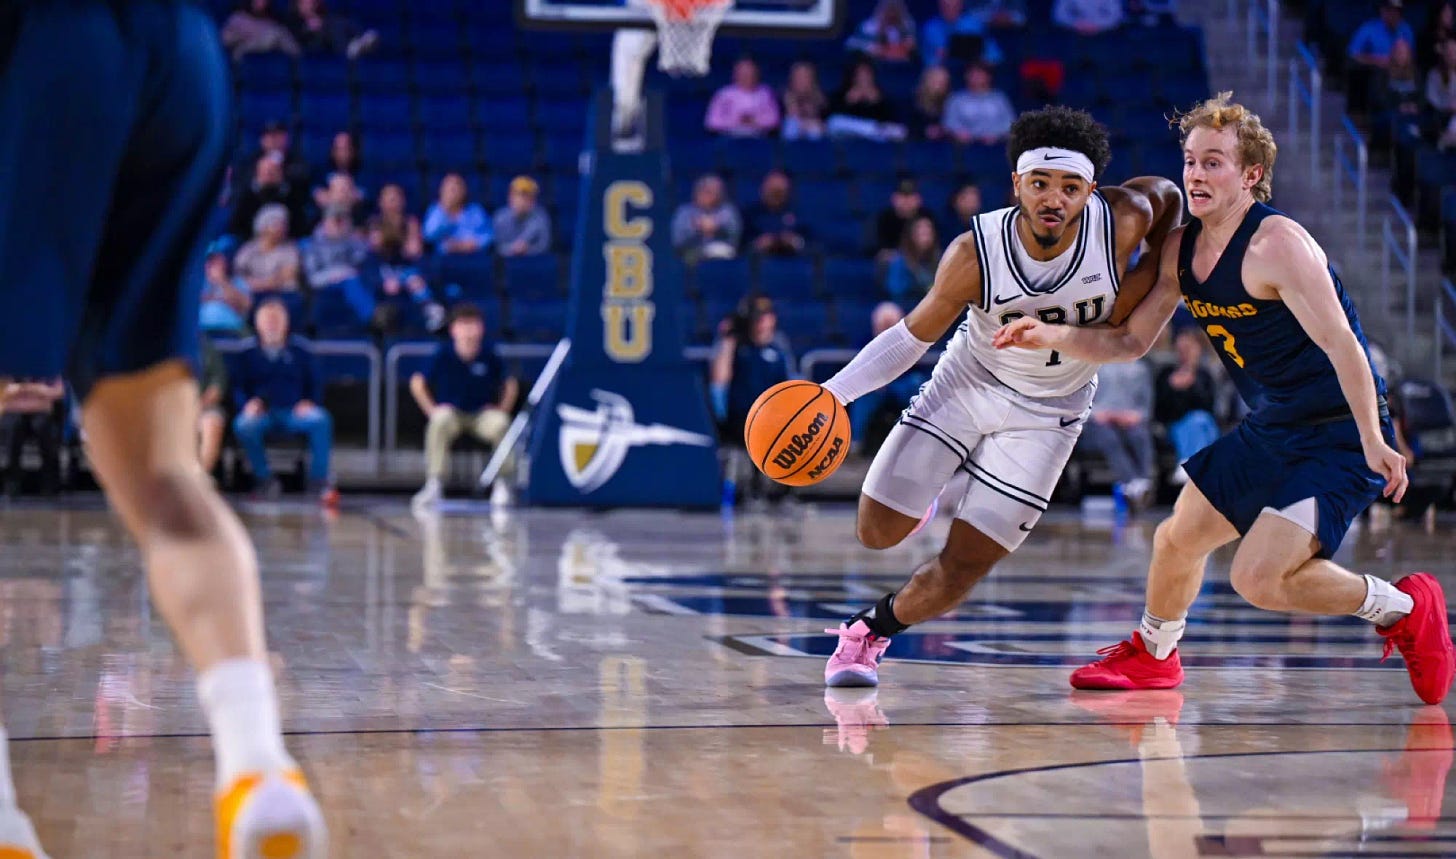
[{"x": 1228, "y": 342}]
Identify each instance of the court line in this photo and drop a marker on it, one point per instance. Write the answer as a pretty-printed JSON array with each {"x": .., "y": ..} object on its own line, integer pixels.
[
  {"x": 372, "y": 515},
  {"x": 557, "y": 729},
  {"x": 926, "y": 801}
]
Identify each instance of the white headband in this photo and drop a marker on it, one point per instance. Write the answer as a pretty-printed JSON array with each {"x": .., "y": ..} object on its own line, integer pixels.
[{"x": 1051, "y": 158}]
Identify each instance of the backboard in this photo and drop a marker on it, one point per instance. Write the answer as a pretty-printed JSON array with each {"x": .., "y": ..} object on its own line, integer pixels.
[{"x": 803, "y": 18}]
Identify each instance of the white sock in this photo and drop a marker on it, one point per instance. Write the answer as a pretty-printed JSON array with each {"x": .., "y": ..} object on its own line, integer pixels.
[
  {"x": 1384, "y": 604},
  {"x": 242, "y": 711},
  {"x": 7, "y": 784},
  {"x": 1161, "y": 636}
]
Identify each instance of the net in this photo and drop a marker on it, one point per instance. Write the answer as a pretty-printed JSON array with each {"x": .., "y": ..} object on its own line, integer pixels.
[{"x": 685, "y": 31}]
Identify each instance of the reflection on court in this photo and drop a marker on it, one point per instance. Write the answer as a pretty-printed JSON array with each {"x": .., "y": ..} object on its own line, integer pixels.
[{"x": 554, "y": 683}]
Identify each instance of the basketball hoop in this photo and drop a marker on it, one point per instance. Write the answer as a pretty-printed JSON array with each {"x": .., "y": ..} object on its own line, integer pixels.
[{"x": 685, "y": 31}]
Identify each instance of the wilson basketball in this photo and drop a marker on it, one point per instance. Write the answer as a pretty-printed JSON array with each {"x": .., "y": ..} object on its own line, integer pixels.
[{"x": 797, "y": 433}]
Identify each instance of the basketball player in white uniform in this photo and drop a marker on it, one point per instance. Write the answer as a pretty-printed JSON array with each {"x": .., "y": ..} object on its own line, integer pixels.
[{"x": 1009, "y": 419}]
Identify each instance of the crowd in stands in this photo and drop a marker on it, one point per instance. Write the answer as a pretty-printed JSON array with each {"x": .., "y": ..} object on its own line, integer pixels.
[{"x": 321, "y": 235}]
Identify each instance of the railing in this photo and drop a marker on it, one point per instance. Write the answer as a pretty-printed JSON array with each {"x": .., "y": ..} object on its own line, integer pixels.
[
  {"x": 340, "y": 348},
  {"x": 1352, "y": 164},
  {"x": 1398, "y": 245},
  {"x": 1445, "y": 326},
  {"x": 1262, "y": 19},
  {"x": 1306, "y": 90},
  {"x": 506, "y": 351}
]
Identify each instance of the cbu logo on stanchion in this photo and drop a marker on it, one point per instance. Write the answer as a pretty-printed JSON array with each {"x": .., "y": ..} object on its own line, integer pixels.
[{"x": 595, "y": 443}]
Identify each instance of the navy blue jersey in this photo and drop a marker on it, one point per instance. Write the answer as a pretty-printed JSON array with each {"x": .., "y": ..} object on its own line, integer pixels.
[
  {"x": 1283, "y": 375},
  {"x": 115, "y": 127}
]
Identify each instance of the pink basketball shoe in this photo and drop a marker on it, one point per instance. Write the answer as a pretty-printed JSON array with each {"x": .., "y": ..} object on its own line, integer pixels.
[{"x": 857, "y": 656}]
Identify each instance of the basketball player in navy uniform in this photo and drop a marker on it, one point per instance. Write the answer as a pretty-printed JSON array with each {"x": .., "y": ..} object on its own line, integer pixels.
[
  {"x": 114, "y": 134},
  {"x": 1317, "y": 447},
  {"x": 1007, "y": 419}
]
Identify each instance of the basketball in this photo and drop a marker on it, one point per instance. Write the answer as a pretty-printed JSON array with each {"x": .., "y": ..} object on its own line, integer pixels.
[{"x": 797, "y": 433}]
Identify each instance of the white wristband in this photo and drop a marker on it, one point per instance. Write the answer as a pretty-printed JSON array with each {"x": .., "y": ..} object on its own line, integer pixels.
[{"x": 882, "y": 361}]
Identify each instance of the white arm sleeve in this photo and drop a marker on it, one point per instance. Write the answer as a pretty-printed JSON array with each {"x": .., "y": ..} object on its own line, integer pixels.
[{"x": 882, "y": 361}]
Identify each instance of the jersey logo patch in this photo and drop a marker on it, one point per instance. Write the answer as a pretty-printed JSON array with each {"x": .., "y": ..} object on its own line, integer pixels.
[
  {"x": 1092, "y": 278},
  {"x": 999, "y": 300}
]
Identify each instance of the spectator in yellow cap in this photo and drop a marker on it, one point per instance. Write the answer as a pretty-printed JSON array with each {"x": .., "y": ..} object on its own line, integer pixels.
[{"x": 522, "y": 228}]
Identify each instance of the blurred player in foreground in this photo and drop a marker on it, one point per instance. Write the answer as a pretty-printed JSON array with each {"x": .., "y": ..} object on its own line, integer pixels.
[{"x": 114, "y": 133}]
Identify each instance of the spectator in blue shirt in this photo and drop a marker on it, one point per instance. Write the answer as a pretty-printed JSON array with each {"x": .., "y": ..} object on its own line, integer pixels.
[
  {"x": 454, "y": 225},
  {"x": 465, "y": 389},
  {"x": 276, "y": 391},
  {"x": 955, "y": 20},
  {"x": 1371, "y": 44},
  {"x": 911, "y": 271},
  {"x": 1370, "y": 49}
]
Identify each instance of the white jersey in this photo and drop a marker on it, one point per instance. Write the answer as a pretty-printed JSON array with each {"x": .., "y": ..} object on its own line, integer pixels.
[{"x": 1077, "y": 288}]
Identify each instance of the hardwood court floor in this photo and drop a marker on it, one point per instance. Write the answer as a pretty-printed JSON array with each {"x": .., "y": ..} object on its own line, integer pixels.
[{"x": 630, "y": 684}]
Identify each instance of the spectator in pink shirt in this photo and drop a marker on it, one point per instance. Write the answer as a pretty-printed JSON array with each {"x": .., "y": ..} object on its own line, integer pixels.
[{"x": 746, "y": 107}]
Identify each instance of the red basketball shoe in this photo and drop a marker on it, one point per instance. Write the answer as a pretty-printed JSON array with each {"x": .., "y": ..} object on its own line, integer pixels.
[
  {"x": 1129, "y": 665},
  {"x": 1424, "y": 638}
]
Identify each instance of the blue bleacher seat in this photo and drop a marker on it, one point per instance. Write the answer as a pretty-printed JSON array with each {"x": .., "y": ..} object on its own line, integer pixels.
[
  {"x": 746, "y": 157},
  {"x": 509, "y": 153},
  {"x": 538, "y": 321},
  {"x": 723, "y": 280},
  {"x": 983, "y": 159},
  {"x": 820, "y": 199},
  {"x": 787, "y": 277},
  {"x": 332, "y": 316},
  {"x": 437, "y": 39},
  {"x": 378, "y": 111},
  {"x": 257, "y": 108},
  {"x": 509, "y": 117},
  {"x": 531, "y": 278},
  {"x": 563, "y": 117},
  {"x": 450, "y": 152},
  {"x": 441, "y": 77},
  {"x": 852, "y": 322},
  {"x": 323, "y": 73},
  {"x": 499, "y": 80},
  {"x": 378, "y": 75},
  {"x": 871, "y": 195},
  {"x": 838, "y": 232},
  {"x": 562, "y": 152},
  {"x": 936, "y": 194},
  {"x": 929, "y": 156},
  {"x": 472, "y": 275},
  {"x": 389, "y": 150},
  {"x": 868, "y": 157},
  {"x": 851, "y": 278},
  {"x": 265, "y": 72},
  {"x": 806, "y": 159},
  {"x": 687, "y": 164},
  {"x": 442, "y": 113},
  {"x": 324, "y": 111},
  {"x": 805, "y": 322}
]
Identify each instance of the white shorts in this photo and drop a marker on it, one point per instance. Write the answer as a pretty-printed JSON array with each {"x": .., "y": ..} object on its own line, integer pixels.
[{"x": 1012, "y": 446}]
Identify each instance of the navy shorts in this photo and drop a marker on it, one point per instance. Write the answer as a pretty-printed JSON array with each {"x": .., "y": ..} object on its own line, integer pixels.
[
  {"x": 1258, "y": 466},
  {"x": 114, "y": 133}
]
